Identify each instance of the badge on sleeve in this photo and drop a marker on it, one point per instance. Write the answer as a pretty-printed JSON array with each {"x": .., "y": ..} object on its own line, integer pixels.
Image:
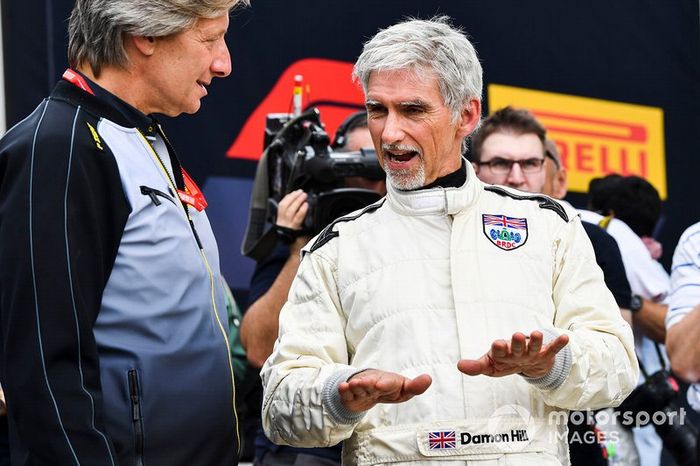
[{"x": 507, "y": 233}]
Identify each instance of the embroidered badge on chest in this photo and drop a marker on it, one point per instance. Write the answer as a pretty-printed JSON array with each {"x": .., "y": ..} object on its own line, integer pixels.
[{"x": 505, "y": 232}]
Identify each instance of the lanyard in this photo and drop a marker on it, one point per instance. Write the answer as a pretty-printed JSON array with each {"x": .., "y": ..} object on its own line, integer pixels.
[
  {"x": 74, "y": 78},
  {"x": 187, "y": 189},
  {"x": 193, "y": 195}
]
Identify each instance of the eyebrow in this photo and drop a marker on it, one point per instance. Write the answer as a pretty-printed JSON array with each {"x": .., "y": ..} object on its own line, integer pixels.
[
  {"x": 529, "y": 157},
  {"x": 414, "y": 103},
  {"x": 408, "y": 103},
  {"x": 212, "y": 32}
]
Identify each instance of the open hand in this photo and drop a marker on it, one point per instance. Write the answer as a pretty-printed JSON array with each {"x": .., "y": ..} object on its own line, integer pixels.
[
  {"x": 367, "y": 388},
  {"x": 522, "y": 355}
]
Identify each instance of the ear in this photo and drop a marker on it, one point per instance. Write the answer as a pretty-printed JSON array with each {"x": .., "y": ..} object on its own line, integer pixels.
[
  {"x": 145, "y": 45},
  {"x": 561, "y": 184},
  {"x": 470, "y": 117},
  {"x": 476, "y": 167}
]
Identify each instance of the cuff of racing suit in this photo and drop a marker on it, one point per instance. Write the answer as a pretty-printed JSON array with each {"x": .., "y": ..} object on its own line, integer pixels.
[
  {"x": 559, "y": 371},
  {"x": 332, "y": 402}
]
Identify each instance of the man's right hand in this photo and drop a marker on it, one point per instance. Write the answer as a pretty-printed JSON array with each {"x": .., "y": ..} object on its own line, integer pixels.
[
  {"x": 367, "y": 388},
  {"x": 292, "y": 210}
]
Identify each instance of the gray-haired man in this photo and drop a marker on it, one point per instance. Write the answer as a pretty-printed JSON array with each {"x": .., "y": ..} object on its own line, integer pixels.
[
  {"x": 393, "y": 305},
  {"x": 114, "y": 345}
]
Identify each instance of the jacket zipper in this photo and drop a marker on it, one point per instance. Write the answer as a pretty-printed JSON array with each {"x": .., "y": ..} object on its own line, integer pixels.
[
  {"x": 173, "y": 186},
  {"x": 172, "y": 183},
  {"x": 154, "y": 194},
  {"x": 194, "y": 230},
  {"x": 136, "y": 418}
]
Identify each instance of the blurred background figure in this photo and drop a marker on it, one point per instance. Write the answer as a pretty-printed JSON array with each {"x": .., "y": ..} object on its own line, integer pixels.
[
  {"x": 684, "y": 309},
  {"x": 683, "y": 318},
  {"x": 509, "y": 150},
  {"x": 629, "y": 208}
]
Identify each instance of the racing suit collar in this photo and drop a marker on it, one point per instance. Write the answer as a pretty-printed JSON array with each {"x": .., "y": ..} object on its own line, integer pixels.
[
  {"x": 453, "y": 180},
  {"x": 437, "y": 200}
]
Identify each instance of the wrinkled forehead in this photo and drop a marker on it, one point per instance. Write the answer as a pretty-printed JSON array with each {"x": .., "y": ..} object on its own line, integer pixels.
[
  {"x": 406, "y": 81},
  {"x": 415, "y": 71}
]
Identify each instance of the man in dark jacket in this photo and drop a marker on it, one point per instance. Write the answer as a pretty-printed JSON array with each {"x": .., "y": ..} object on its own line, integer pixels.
[{"x": 114, "y": 334}]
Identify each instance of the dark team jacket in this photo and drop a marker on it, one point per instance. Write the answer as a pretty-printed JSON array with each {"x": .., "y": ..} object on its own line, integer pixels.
[{"x": 114, "y": 347}]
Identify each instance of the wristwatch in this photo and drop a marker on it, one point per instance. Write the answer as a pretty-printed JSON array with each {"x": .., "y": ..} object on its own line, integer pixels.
[
  {"x": 636, "y": 303},
  {"x": 287, "y": 235}
]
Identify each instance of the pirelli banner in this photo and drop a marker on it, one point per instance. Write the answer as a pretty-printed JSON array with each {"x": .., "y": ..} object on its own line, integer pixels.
[
  {"x": 595, "y": 137},
  {"x": 616, "y": 83}
]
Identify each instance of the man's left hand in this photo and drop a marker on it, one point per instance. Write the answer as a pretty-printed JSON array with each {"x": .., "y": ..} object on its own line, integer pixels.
[{"x": 522, "y": 355}]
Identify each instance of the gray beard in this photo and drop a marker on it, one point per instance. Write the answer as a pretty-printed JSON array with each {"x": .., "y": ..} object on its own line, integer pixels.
[{"x": 406, "y": 180}]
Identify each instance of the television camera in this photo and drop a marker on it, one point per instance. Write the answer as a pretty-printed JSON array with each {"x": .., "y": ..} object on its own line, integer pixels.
[{"x": 298, "y": 155}]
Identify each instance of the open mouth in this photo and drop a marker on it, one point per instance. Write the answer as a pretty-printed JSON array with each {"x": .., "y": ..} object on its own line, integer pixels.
[
  {"x": 400, "y": 156},
  {"x": 203, "y": 86}
]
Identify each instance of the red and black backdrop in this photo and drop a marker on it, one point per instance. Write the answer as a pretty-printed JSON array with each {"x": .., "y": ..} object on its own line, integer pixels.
[{"x": 617, "y": 83}]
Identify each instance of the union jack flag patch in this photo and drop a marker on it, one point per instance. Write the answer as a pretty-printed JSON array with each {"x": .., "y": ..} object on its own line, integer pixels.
[
  {"x": 442, "y": 440},
  {"x": 507, "y": 233}
]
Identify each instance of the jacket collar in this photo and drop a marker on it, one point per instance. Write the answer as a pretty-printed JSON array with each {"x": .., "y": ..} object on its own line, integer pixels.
[
  {"x": 438, "y": 200},
  {"x": 104, "y": 104}
]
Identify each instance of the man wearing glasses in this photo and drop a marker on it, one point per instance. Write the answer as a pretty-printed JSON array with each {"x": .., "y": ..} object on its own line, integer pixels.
[{"x": 509, "y": 150}]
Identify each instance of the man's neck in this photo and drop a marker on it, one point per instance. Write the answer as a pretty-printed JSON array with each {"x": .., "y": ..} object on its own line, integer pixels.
[
  {"x": 452, "y": 180},
  {"x": 120, "y": 82}
]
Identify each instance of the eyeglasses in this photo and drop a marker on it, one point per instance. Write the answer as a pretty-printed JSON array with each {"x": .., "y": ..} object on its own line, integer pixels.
[{"x": 504, "y": 166}]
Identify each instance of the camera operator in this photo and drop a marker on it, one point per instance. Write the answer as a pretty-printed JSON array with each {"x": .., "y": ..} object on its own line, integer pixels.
[
  {"x": 683, "y": 319},
  {"x": 271, "y": 282}
]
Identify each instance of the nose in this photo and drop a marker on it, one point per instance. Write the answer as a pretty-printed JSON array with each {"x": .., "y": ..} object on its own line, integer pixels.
[
  {"x": 515, "y": 177},
  {"x": 221, "y": 64},
  {"x": 393, "y": 130}
]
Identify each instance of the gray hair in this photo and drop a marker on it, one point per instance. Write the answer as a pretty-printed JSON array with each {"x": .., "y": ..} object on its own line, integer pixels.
[
  {"x": 424, "y": 45},
  {"x": 96, "y": 27}
]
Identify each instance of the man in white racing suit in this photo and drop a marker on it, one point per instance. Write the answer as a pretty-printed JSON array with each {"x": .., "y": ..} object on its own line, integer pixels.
[{"x": 381, "y": 343}]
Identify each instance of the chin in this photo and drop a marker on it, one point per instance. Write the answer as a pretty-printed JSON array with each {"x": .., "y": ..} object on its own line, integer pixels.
[
  {"x": 192, "y": 109},
  {"x": 174, "y": 112},
  {"x": 406, "y": 181}
]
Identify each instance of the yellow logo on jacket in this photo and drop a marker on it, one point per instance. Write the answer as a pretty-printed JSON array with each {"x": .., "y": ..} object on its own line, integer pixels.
[{"x": 95, "y": 136}]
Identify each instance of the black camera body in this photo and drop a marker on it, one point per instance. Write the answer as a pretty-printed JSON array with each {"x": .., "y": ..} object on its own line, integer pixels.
[
  {"x": 299, "y": 156},
  {"x": 657, "y": 395}
]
